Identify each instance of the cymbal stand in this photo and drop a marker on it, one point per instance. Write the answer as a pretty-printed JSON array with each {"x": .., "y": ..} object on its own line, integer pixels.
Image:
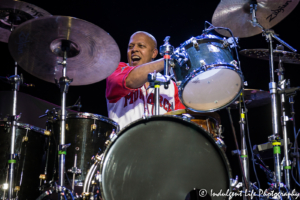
[
  {"x": 284, "y": 119},
  {"x": 244, "y": 151},
  {"x": 63, "y": 84},
  {"x": 270, "y": 34},
  {"x": 15, "y": 80}
]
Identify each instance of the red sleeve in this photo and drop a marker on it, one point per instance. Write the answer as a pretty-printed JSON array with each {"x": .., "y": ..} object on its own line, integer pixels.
[
  {"x": 115, "y": 83},
  {"x": 178, "y": 104}
]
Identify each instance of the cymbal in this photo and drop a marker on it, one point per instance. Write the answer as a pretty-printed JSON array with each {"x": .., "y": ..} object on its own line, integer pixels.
[
  {"x": 234, "y": 14},
  {"x": 253, "y": 98},
  {"x": 36, "y": 46},
  {"x": 23, "y": 12},
  {"x": 263, "y": 54}
]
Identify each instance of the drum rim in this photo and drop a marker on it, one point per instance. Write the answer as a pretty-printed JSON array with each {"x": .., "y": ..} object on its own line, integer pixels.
[
  {"x": 27, "y": 126},
  {"x": 209, "y": 137},
  {"x": 86, "y": 115},
  {"x": 200, "y": 39},
  {"x": 200, "y": 71}
]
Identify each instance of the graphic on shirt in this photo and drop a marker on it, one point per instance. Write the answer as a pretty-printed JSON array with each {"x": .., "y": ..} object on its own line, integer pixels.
[{"x": 132, "y": 97}]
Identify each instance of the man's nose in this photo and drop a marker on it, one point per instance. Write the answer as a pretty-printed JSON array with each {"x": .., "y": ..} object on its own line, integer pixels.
[{"x": 134, "y": 49}]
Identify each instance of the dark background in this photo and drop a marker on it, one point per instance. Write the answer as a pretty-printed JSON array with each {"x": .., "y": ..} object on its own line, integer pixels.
[{"x": 180, "y": 20}]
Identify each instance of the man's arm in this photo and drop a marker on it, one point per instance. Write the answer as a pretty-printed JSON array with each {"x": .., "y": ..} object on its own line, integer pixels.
[{"x": 139, "y": 76}]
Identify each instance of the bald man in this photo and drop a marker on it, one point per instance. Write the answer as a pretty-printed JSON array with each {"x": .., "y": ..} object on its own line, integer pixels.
[{"x": 127, "y": 93}]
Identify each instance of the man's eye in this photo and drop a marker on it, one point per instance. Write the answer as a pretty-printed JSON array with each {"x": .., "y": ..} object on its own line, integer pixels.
[{"x": 142, "y": 46}]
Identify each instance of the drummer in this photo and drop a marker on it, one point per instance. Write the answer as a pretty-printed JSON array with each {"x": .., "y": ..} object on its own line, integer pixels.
[{"x": 127, "y": 89}]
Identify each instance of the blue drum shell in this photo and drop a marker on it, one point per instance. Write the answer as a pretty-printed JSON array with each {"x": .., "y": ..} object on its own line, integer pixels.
[{"x": 210, "y": 49}]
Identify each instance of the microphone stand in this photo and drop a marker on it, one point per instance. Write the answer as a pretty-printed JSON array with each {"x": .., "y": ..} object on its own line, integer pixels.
[{"x": 270, "y": 34}]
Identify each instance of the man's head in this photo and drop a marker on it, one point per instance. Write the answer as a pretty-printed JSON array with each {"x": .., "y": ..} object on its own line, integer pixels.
[{"x": 142, "y": 48}]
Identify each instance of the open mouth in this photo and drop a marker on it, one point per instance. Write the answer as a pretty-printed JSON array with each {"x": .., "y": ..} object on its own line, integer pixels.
[{"x": 135, "y": 58}]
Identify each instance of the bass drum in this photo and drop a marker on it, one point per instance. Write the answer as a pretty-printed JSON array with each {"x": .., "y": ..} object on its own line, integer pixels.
[{"x": 163, "y": 157}]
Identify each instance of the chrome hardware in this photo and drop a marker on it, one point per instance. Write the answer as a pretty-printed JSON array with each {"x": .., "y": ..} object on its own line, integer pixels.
[
  {"x": 234, "y": 62},
  {"x": 93, "y": 127},
  {"x": 195, "y": 43},
  {"x": 202, "y": 63},
  {"x": 46, "y": 132}
]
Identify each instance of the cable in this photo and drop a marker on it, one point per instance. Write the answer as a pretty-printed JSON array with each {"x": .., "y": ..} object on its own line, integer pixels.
[
  {"x": 292, "y": 172},
  {"x": 294, "y": 177},
  {"x": 248, "y": 134}
]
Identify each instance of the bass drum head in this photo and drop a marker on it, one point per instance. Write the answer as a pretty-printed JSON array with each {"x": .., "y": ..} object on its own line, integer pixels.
[
  {"x": 212, "y": 90},
  {"x": 163, "y": 157}
]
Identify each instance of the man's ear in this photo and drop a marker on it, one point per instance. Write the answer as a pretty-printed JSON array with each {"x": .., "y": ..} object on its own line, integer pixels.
[{"x": 154, "y": 54}]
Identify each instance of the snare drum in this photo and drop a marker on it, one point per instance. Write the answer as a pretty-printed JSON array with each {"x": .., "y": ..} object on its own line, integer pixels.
[
  {"x": 31, "y": 147},
  {"x": 87, "y": 133},
  {"x": 210, "y": 80},
  {"x": 162, "y": 157}
]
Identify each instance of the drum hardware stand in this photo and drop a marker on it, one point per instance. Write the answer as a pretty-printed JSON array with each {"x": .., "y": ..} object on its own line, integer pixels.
[
  {"x": 89, "y": 176},
  {"x": 74, "y": 171},
  {"x": 242, "y": 155},
  {"x": 15, "y": 81},
  {"x": 63, "y": 84},
  {"x": 156, "y": 85},
  {"x": 270, "y": 34},
  {"x": 244, "y": 151},
  {"x": 284, "y": 119},
  {"x": 165, "y": 50}
]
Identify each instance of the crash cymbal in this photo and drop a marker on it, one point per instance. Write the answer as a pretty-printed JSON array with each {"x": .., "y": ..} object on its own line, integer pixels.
[
  {"x": 36, "y": 46},
  {"x": 263, "y": 54},
  {"x": 19, "y": 11},
  {"x": 253, "y": 98},
  {"x": 234, "y": 14}
]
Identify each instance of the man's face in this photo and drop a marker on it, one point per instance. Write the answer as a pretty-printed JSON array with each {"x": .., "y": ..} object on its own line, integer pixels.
[{"x": 141, "y": 49}]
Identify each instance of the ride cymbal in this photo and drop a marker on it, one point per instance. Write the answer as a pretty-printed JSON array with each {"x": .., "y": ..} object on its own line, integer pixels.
[
  {"x": 263, "y": 54},
  {"x": 235, "y": 15},
  {"x": 253, "y": 98},
  {"x": 16, "y": 12},
  {"x": 36, "y": 46}
]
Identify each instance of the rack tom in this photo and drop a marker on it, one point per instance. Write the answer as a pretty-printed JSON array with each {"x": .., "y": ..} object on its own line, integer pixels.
[{"x": 211, "y": 79}]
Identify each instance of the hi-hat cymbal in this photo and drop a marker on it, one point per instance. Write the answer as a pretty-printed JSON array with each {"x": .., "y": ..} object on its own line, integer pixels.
[
  {"x": 263, "y": 54},
  {"x": 253, "y": 98},
  {"x": 235, "y": 15},
  {"x": 20, "y": 11},
  {"x": 36, "y": 46}
]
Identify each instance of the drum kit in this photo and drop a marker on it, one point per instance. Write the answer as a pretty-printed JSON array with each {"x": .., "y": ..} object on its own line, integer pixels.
[{"x": 85, "y": 156}]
